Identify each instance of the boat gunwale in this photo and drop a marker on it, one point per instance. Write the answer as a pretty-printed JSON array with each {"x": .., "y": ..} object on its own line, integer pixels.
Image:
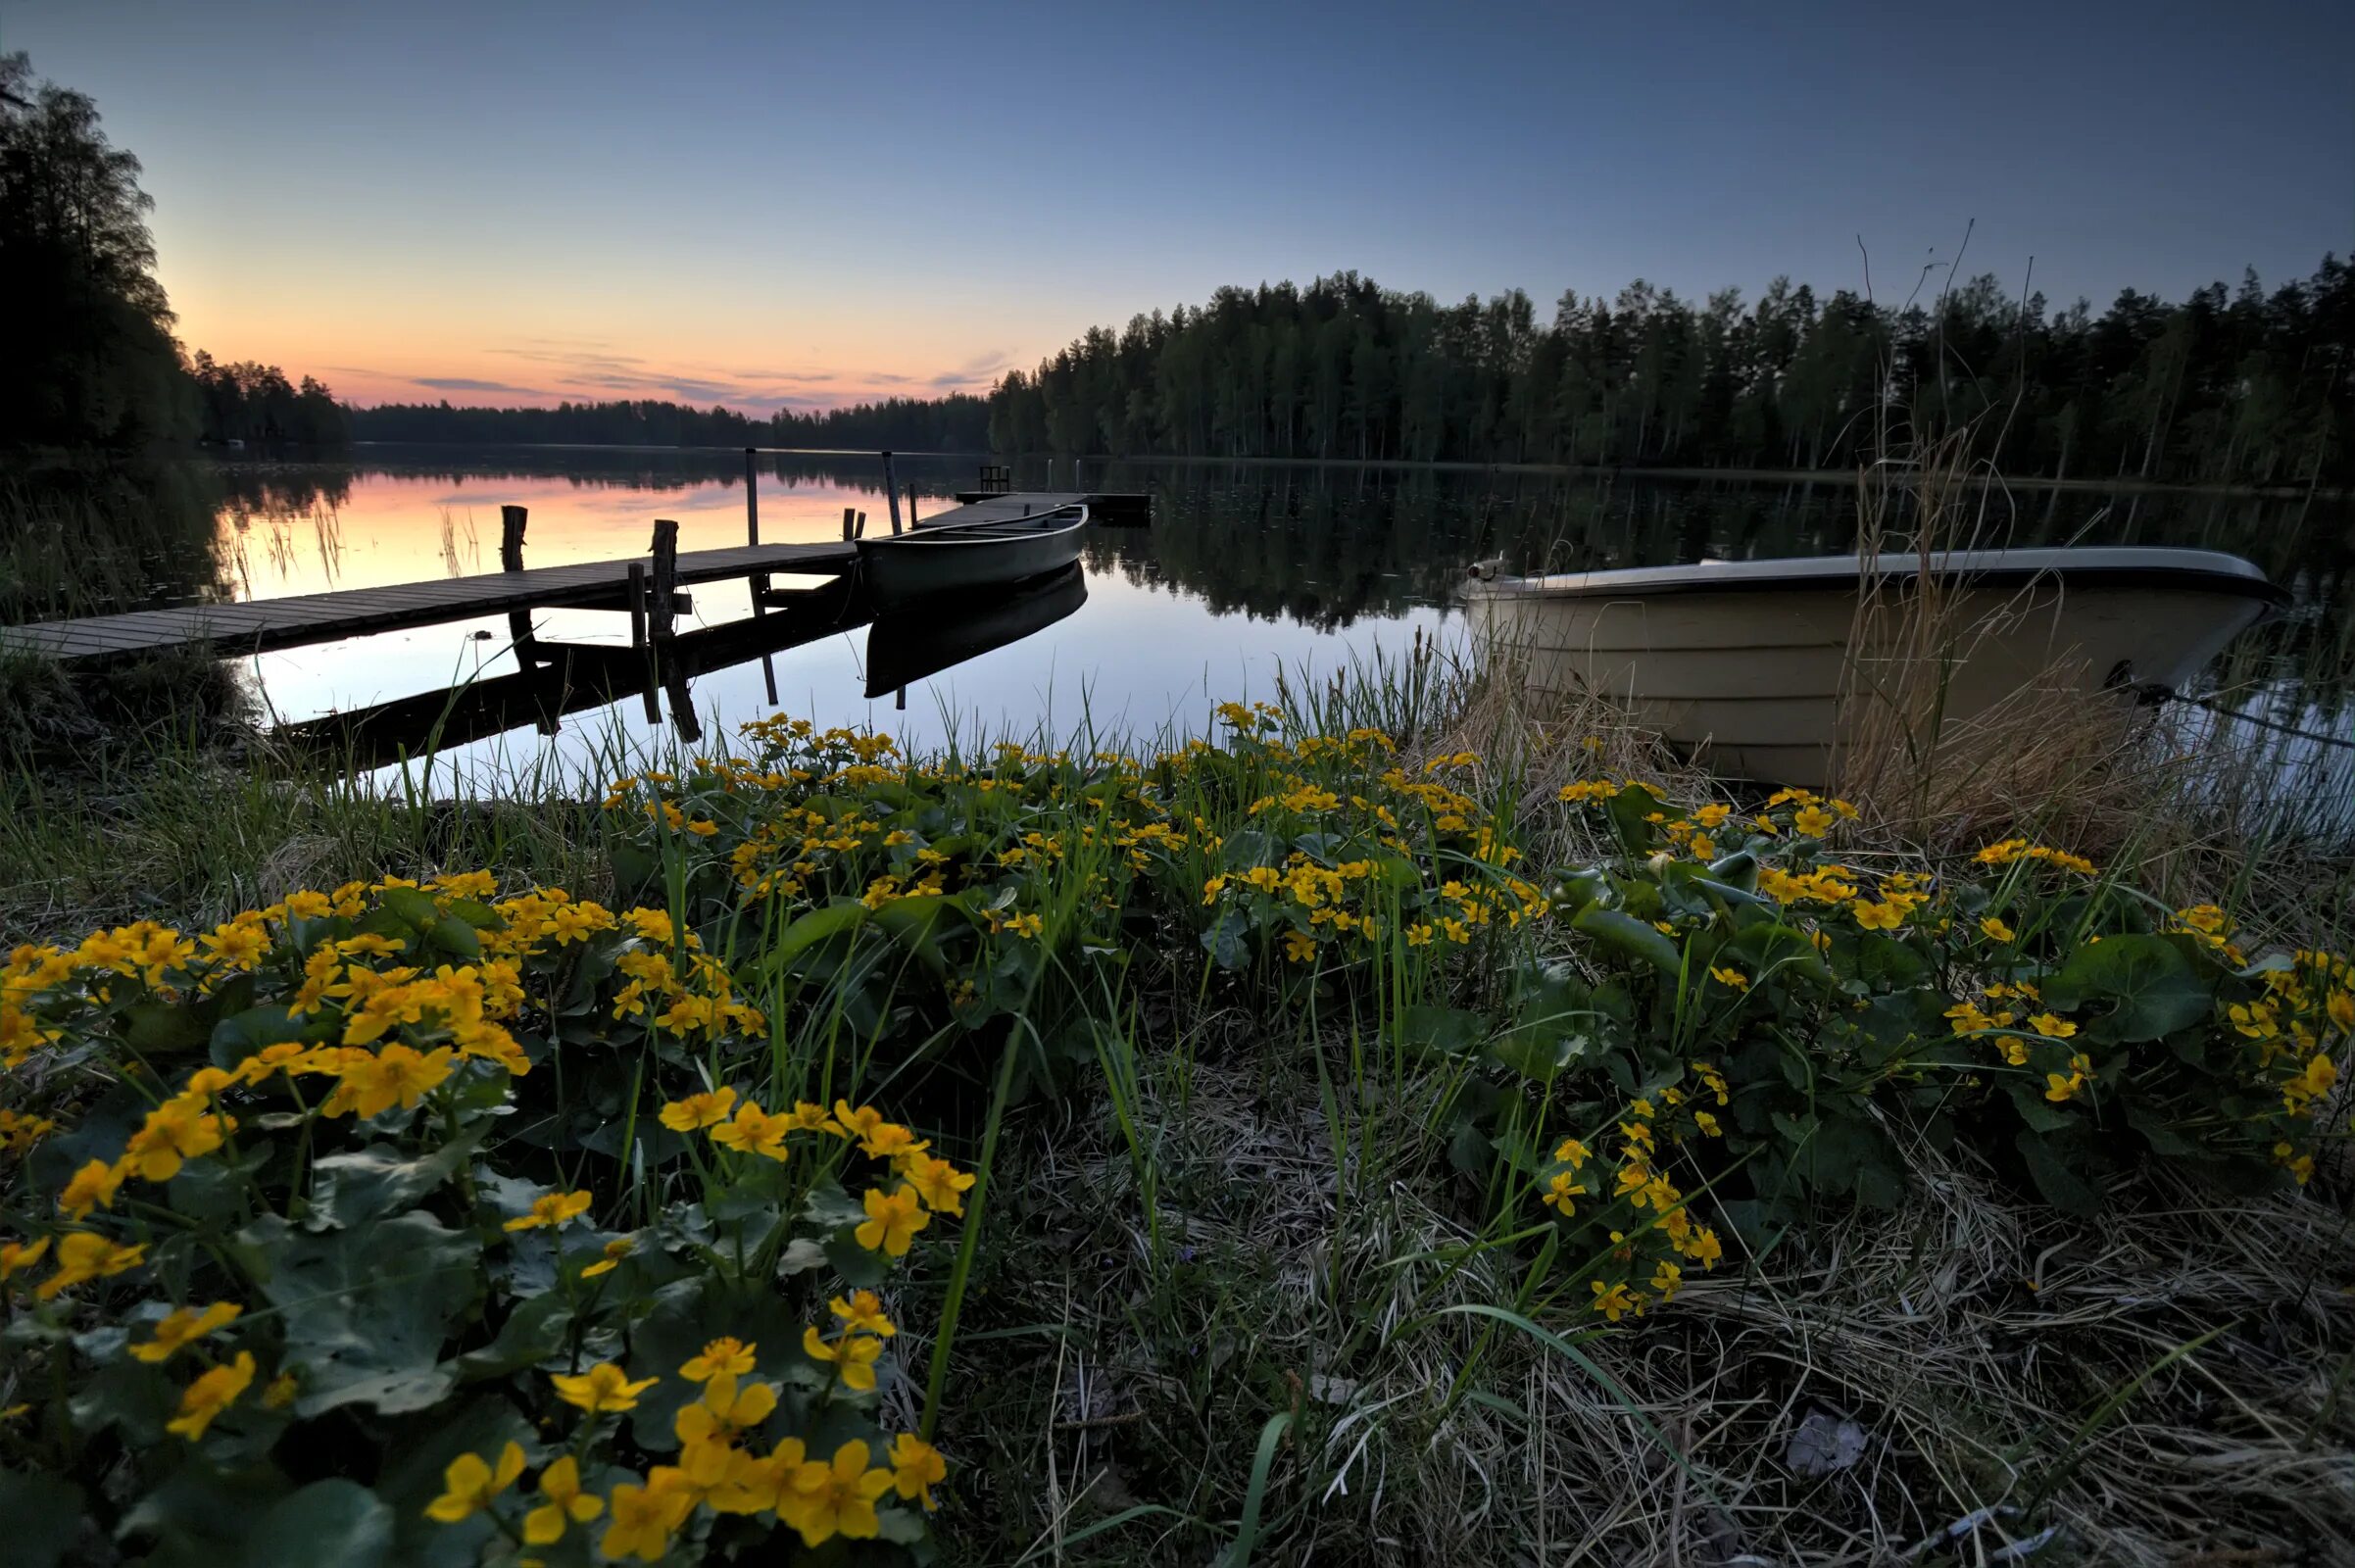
[
  {"x": 1012, "y": 530},
  {"x": 1823, "y": 573}
]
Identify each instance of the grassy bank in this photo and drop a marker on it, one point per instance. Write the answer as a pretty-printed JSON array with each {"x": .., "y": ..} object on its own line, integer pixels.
[{"x": 1395, "y": 1133}]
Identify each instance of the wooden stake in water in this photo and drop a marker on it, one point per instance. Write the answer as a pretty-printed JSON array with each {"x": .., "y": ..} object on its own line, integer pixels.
[
  {"x": 663, "y": 605},
  {"x": 752, "y": 497},
  {"x": 635, "y": 593},
  {"x": 510, "y": 537},
  {"x": 912, "y": 509},
  {"x": 891, "y": 493}
]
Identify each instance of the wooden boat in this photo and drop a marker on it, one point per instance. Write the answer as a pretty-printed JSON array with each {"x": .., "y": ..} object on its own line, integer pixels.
[
  {"x": 1749, "y": 665},
  {"x": 907, "y": 645},
  {"x": 948, "y": 559}
]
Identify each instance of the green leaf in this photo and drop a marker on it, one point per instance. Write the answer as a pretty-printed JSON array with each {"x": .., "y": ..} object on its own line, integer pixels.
[
  {"x": 2047, "y": 1167},
  {"x": 340, "y": 1522},
  {"x": 378, "y": 1180},
  {"x": 43, "y": 1514},
  {"x": 1434, "y": 1032},
  {"x": 416, "y": 1451},
  {"x": 160, "y": 1028},
  {"x": 532, "y": 1333},
  {"x": 1223, "y": 941},
  {"x": 1628, "y": 935},
  {"x": 366, "y": 1311},
  {"x": 2154, "y": 990},
  {"x": 2041, "y": 1114}
]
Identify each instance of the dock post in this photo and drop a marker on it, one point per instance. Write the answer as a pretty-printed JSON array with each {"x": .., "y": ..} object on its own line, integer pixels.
[
  {"x": 661, "y": 605},
  {"x": 752, "y": 497},
  {"x": 861, "y": 532},
  {"x": 911, "y": 516},
  {"x": 891, "y": 491},
  {"x": 636, "y": 594},
  {"x": 847, "y": 513},
  {"x": 510, "y": 537}
]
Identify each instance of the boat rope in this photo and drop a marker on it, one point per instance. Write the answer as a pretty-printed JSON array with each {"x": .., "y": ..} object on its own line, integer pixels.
[{"x": 2345, "y": 742}]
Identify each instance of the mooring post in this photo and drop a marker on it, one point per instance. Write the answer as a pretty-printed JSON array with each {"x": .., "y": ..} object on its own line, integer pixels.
[
  {"x": 911, "y": 512},
  {"x": 861, "y": 532},
  {"x": 752, "y": 496},
  {"x": 636, "y": 594},
  {"x": 847, "y": 513},
  {"x": 891, "y": 493},
  {"x": 666, "y": 577},
  {"x": 510, "y": 537}
]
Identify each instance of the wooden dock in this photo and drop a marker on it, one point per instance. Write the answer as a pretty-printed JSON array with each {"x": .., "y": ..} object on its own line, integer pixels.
[{"x": 233, "y": 630}]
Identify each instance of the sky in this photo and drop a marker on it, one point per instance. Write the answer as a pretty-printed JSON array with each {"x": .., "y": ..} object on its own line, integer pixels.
[{"x": 777, "y": 204}]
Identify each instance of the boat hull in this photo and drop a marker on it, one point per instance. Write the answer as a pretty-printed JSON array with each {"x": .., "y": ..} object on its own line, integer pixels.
[
  {"x": 1766, "y": 685},
  {"x": 915, "y": 565}
]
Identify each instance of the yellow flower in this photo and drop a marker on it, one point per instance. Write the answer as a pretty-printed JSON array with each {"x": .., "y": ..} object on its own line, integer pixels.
[
  {"x": 1614, "y": 1301},
  {"x": 470, "y": 1484},
  {"x": 396, "y": 1075},
  {"x": 92, "y": 1186},
  {"x": 1299, "y": 947},
  {"x": 2059, "y": 1088},
  {"x": 941, "y": 1185},
  {"x": 1571, "y": 1153},
  {"x": 727, "y": 1355},
  {"x": 857, "y": 1121},
  {"x": 839, "y": 1498},
  {"x": 280, "y": 1391},
  {"x": 644, "y": 1517},
  {"x": 18, "y": 1255},
  {"x": 604, "y": 1386},
  {"x": 87, "y": 1255},
  {"x": 1996, "y": 930},
  {"x": 699, "y": 1110},
  {"x": 1561, "y": 1191},
  {"x": 806, "y": 1117},
  {"x": 210, "y": 1394},
  {"x": 1812, "y": 820},
  {"x": 853, "y": 1357},
  {"x": 863, "y": 1314},
  {"x": 559, "y": 1483},
  {"x": 1667, "y": 1279},
  {"x": 2052, "y": 1026},
  {"x": 917, "y": 1468},
  {"x": 1877, "y": 916},
  {"x": 183, "y": 1327},
  {"x": 1733, "y": 978},
  {"x": 754, "y": 1132},
  {"x": 552, "y": 1210},
  {"x": 726, "y": 1410},
  {"x": 619, "y": 1248},
  {"x": 892, "y": 1220},
  {"x": 1708, "y": 1124}
]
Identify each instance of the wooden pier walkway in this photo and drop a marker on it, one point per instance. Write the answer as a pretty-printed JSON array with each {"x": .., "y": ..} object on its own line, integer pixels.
[{"x": 259, "y": 625}]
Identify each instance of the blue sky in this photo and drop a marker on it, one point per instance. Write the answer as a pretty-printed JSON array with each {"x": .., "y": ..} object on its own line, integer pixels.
[{"x": 768, "y": 203}]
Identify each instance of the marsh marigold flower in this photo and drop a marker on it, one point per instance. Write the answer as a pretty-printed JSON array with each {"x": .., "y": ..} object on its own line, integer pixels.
[
  {"x": 917, "y": 1468},
  {"x": 614, "y": 1250},
  {"x": 559, "y": 1483},
  {"x": 181, "y": 1327},
  {"x": 853, "y": 1357},
  {"x": 893, "y": 1220},
  {"x": 863, "y": 1314},
  {"x": 604, "y": 1386},
  {"x": 727, "y": 1355},
  {"x": 87, "y": 1255},
  {"x": 470, "y": 1483},
  {"x": 210, "y": 1394},
  {"x": 699, "y": 1110},
  {"x": 824, "y": 1500},
  {"x": 553, "y": 1211},
  {"x": 643, "y": 1518}
]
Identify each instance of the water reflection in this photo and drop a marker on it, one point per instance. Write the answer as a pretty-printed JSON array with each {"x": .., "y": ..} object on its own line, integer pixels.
[{"x": 1248, "y": 568}]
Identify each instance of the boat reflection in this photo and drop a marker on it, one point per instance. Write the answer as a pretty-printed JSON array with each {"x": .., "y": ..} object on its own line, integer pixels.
[{"x": 907, "y": 643}]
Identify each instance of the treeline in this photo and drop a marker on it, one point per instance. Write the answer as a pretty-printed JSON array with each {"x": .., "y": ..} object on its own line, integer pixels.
[
  {"x": 957, "y": 422},
  {"x": 2226, "y": 386},
  {"x": 255, "y": 403},
  {"x": 92, "y": 362}
]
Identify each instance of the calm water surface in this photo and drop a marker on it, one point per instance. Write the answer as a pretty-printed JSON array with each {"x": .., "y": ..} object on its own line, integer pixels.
[{"x": 1247, "y": 570}]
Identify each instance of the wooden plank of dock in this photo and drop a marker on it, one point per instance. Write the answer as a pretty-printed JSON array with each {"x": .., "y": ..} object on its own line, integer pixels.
[{"x": 260, "y": 624}]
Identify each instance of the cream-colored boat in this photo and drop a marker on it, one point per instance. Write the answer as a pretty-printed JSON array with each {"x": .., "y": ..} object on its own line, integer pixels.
[{"x": 1764, "y": 669}]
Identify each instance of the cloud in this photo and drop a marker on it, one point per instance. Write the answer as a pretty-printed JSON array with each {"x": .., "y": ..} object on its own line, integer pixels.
[{"x": 467, "y": 383}]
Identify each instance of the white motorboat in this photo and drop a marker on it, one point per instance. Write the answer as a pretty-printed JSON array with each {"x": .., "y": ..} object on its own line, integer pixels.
[
  {"x": 946, "y": 559},
  {"x": 1753, "y": 665}
]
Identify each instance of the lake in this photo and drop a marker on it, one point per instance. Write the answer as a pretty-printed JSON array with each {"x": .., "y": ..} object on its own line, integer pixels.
[{"x": 1248, "y": 570}]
